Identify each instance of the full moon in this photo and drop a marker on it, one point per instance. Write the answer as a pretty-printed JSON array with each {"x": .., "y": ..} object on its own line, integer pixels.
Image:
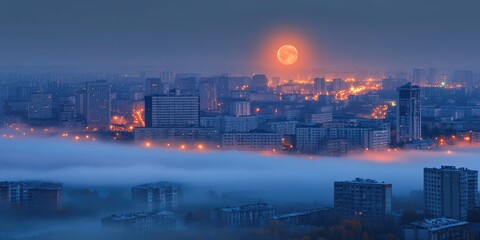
[{"x": 287, "y": 54}]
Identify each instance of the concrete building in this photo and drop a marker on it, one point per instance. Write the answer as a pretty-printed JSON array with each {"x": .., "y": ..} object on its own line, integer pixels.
[
  {"x": 304, "y": 217},
  {"x": 436, "y": 229},
  {"x": 409, "y": 121},
  {"x": 166, "y": 136},
  {"x": 319, "y": 86},
  {"x": 171, "y": 111},
  {"x": 240, "y": 108},
  {"x": 40, "y": 106},
  {"x": 319, "y": 117},
  {"x": 155, "y": 86},
  {"x": 98, "y": 105},
  {"x": 141, "y": 223},
  {"x": 363, "y": 198},
  {"x": 259, "y": 83},
  {"x": 309, "y": 138},
  {"x": 252, "y": 141},
  {"x": 239, "y": 124},
  {"x": 32, "y": 197},
  {"x": 250, "y": 215},
  {"x": 419, "y": 77},
  {"x": 155, "y": 196},
  {"x": 207, "y": 92},
  {"x": 449, "y": 191}
]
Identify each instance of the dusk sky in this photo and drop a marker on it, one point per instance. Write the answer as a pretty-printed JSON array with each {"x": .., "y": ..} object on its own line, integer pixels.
[{"x": 215, "y": 36}]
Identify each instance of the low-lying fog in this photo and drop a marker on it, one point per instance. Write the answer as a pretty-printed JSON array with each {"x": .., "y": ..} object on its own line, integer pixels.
[{"x": 279, "y": 177}]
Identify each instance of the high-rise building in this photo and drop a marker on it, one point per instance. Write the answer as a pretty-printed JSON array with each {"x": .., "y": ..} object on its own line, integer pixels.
[
  {"x": 419, "y": 77},
  {"x": 338, "y": 84},
  {"x": 432, "y": 76},
  {"x": 98, "y": 105},
  {"x": 155, "y": 86},
  {"x": 449, "y": 191},
  {"x": 363, "y": 198},
  {"x": 259, "y": 83},
  {"x": 40, "y": 106},
  {"x": 207, "y": 91},
  {"x": 319, "y": 86},
  {"x": 155, "y": 196},
  {"x": 171, "y": 111},
  {"x": 33, "y": 197},
  {"x": 409, "y": 122}
]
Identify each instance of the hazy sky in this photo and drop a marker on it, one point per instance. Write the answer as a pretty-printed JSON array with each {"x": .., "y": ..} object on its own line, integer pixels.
[{"x": 226, "y": 35}]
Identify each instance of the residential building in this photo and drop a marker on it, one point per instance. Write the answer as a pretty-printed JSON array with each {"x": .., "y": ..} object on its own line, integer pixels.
[
  {"x": 363, "y": 198},
  {"x": 449, "y": 191}
]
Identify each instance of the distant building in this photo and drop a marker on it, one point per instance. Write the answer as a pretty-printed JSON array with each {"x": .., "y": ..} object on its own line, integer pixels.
[
  {"x": 436, "y": 229},
  {"x": 319, "y": 86},
  {"x": 319, "y": 117},
  {"x": 464, "y": 78},
  {"x": 239, "y": 124},
  {"x": 155, "y": 196},
  {"x": 419, "y": 77},
  {"x": 240, "y": 108},
  {"x": 409, "y": 121},
  {"x": 393, "y": 83},
  {"x": 32, "y": 197},
  {"x": 208, "y": 96},
  {"x": 140, "y": 223},
  {"x": 155, "y": 86},
  {"x": 186, "y": 86},
  {"x": 40, "y": 106},
  {"x": 338, "y": 84},
  {"x": 251, "y": 215},
  {"x": 363, "y": 198},
  {"x": 475, "y": 138},
  {"x": 259, "y": 83},
  {"x": 334, "y": 148},
  {"x": 165, "y": 136},
  {"x": 98, "y": 105},
  {"x": 252, "y": 141},
  {"x": 309, "y": 138},
  {"x": 449, "y": 191},
  {"x": 171, "y": 111},
  {"x": 304, "y": 217}
]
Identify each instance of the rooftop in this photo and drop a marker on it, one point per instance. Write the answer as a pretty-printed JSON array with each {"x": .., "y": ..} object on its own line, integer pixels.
[{"x": 436, "y": 224}]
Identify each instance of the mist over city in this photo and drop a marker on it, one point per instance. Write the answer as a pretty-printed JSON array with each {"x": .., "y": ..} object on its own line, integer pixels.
[{"x": 229, "y": 119}]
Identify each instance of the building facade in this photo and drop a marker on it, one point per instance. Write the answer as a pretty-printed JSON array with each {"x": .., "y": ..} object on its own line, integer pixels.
[
  {"x": 409, "y": 121},
  {"x": 155, "y": 196},
  {"x": 363, "y": 198},
  {"x": 98, "y": 105},
  {"x": 449, "y": 191}
]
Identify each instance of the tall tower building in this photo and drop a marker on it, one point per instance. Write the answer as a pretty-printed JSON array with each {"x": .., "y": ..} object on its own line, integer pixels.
[
  {"x": 207, "y": 91},
  {"x": 449, "y": 191},
  {"x": 98, "y": 105},
  {"x": 419, "y": 77},
  {"x": 171, "y": 111},
  {"x": 363, "y": 198},
  {"x": 319, "y": 86},
  {"x": 409, "y": 123}
]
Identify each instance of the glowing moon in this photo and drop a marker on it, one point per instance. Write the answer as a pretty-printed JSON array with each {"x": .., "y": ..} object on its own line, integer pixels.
[{"x": 287, "y": 55}]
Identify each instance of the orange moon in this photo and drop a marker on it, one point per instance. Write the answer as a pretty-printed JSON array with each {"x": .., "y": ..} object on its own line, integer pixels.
[{"x": 287, "y": 54}]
